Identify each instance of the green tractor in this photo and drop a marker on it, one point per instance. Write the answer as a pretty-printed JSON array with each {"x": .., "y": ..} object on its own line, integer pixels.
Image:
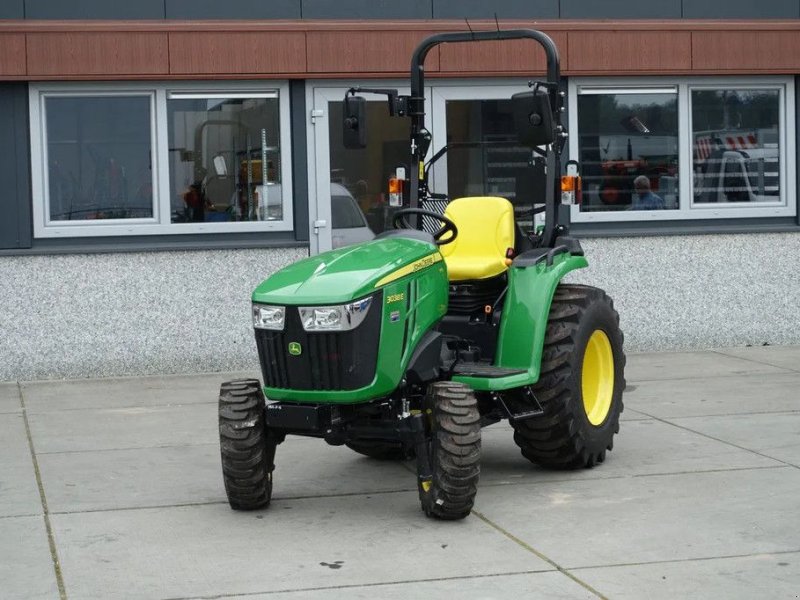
[{"x": 407, "y": 345}]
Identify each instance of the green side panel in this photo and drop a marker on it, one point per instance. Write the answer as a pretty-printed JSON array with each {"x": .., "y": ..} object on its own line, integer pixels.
[
  {"x": 341, "y": 275},
  {"x": 524, "y": 322},
  {"x": 411, "y": 306}
]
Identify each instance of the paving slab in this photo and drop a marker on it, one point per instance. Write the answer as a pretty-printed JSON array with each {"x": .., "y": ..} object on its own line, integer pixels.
[
  {"x": 79, "y": 481},
  {"x": 786, "y": 357},
  {"x": 773, "y": 576},
  {"x": 776, "y": 435},
  {"x": 9, "y": 398},
  {"x": 119, "y": 428},
  {"x": 684, "y": 365},
  {"x": 324, "y": 542},
  {"x": 48, "y": 396},
  {"x": 709, "y": 396},
  {"x": 551, "y": 585},
  {"x": 19, "y": 494},
  {"x": 641, "y": 448},
  {"x": 645, "y": 519},
  {"x": 26, "y": 568}
]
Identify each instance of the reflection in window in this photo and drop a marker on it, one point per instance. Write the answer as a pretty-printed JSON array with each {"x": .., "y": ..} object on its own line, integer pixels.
[
  {"x": 499, "y": 166},
  {"x": 99, "y": 150},
  {"x": 224, "y": 157},
  {"x": 736, "y": 145},
  {"x": 624, "y": 136},
  {"x": 364, "y": 173}
]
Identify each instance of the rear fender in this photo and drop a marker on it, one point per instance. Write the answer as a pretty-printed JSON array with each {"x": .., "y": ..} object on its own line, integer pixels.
[
  {"x": 527, "y": 307},
  {"x": 524, "y": 321}
]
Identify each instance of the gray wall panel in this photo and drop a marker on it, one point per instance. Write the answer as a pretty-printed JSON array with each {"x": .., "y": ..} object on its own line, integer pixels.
[
  {"x": 94, "y": 9},
  {"x": 15, "y": 201},
  {"x": 620, "y": 9},
  {"x": 713, "y": 304},
  {"x": 233, "y": 9},
  {"x": 505, "y": 9},
  {"x": 367, "y": 9},
  {"x": 741, "y": 9},
  {"x": 12, "y": 9}
]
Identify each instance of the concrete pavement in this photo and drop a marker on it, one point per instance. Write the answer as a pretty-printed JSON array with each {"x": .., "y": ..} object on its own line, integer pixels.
[{"x": 111, "y": 488}]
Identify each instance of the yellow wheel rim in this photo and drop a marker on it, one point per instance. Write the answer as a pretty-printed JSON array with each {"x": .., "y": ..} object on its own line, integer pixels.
[{"x": 597, "y": 377}]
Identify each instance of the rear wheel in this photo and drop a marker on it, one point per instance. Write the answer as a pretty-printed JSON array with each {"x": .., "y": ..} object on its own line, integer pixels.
[
  {"x": 580, "y": 385},
  {"x": 454, "y": 451},
  {"x": 246, "y": 446},
  {"x": 379, "y": 450}
]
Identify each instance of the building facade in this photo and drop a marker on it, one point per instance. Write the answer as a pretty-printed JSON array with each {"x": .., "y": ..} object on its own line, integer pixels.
[{"x": 160, "y": 158}]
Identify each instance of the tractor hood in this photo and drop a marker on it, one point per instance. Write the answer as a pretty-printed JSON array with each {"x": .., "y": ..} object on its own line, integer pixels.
[{"x": 346, "y": 274}]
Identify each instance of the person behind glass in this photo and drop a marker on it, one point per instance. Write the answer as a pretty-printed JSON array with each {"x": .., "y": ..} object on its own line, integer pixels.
[{"x": 645, "y": 199}]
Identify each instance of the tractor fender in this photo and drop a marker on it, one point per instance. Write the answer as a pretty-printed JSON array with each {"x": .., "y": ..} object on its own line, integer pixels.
[
  {"x": 531, "y": 287},
  {"x": 527, "y": 307}
]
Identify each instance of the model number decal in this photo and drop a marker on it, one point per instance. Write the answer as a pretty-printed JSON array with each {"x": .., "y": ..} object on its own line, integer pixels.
[
  {"x": 395, "y": 298},
  {"x": 425, "y": 262}
]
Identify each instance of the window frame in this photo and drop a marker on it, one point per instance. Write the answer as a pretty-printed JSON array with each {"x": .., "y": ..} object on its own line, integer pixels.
[
  {"x": 160, "y": 223},
  {"x": 688, "y": 210}
]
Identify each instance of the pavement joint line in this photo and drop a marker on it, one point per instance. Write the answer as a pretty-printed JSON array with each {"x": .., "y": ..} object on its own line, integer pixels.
[
  {"x": 62, "y": 592},
  {"x": 159, "y": 447},
  {"x": 780, "y": 371},
  {"x": 538, "y": 554},
  {"x": 94, "y": 450},
  {"x": 686, "y": 560},
  {"x": 112, "y": 408},
  {"x": 129, "y": 508},
  {"x": 360, "y": 585},
  {"x": 18, "y": 516},
  {"x": 707, "y": 471},
  {"x": 716, "y": 439},
  {"x": 225, "y": 502},
  {"x": 733, "y": 414},
  {"x": 581, "y": 478},
  {"x": 760, "y": 362}
]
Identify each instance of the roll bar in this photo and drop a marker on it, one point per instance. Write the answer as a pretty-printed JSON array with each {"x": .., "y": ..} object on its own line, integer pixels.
[{"x": 420, "y": 136}]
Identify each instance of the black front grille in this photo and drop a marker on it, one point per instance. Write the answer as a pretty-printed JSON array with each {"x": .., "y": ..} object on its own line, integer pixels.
[{"x": 342, "y": 360}]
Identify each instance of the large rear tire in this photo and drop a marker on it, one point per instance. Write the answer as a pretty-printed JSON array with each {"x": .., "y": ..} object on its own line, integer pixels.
[
  {"x": 454, "y": 451},
  {"x": 580, "y": 385},
  {"x": 246, "y": 446}
]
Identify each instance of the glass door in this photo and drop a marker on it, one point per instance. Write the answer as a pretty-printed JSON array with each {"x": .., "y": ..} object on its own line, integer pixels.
[{"x": 349, "y": 188}]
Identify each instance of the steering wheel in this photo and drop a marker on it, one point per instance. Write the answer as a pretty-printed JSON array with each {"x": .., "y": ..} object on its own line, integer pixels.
[{"x": 399, "y": 222}]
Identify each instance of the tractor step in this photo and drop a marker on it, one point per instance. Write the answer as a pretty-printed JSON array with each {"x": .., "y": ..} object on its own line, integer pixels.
[{"x": 473, "y": 369}]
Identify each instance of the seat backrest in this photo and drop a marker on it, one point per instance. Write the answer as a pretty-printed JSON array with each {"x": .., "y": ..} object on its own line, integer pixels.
[{"x": 485, "y": 233}]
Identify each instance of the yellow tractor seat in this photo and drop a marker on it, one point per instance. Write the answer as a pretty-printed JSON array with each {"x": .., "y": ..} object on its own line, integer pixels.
[{"x": 485, "y": 233}]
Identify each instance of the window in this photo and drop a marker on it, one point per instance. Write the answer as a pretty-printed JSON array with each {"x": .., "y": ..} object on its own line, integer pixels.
[
  {"x": 627, "y": 134},
  {"x": 130, "y": 159},
  {"x": 683, "y": 148},
  {"x": 736, "y": 140},
  {"x": 98, "y": 158}
]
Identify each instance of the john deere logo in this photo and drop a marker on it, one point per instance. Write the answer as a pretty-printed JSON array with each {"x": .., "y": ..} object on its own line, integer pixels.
[{"x": 295, "y": 349}]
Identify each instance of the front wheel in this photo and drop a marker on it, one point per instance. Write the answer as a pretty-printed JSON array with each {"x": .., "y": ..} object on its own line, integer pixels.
[
  {"x": 580, "y": 384},
  {"x": 454, "y": 451},
  {"x": 246, "y": 445}
]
